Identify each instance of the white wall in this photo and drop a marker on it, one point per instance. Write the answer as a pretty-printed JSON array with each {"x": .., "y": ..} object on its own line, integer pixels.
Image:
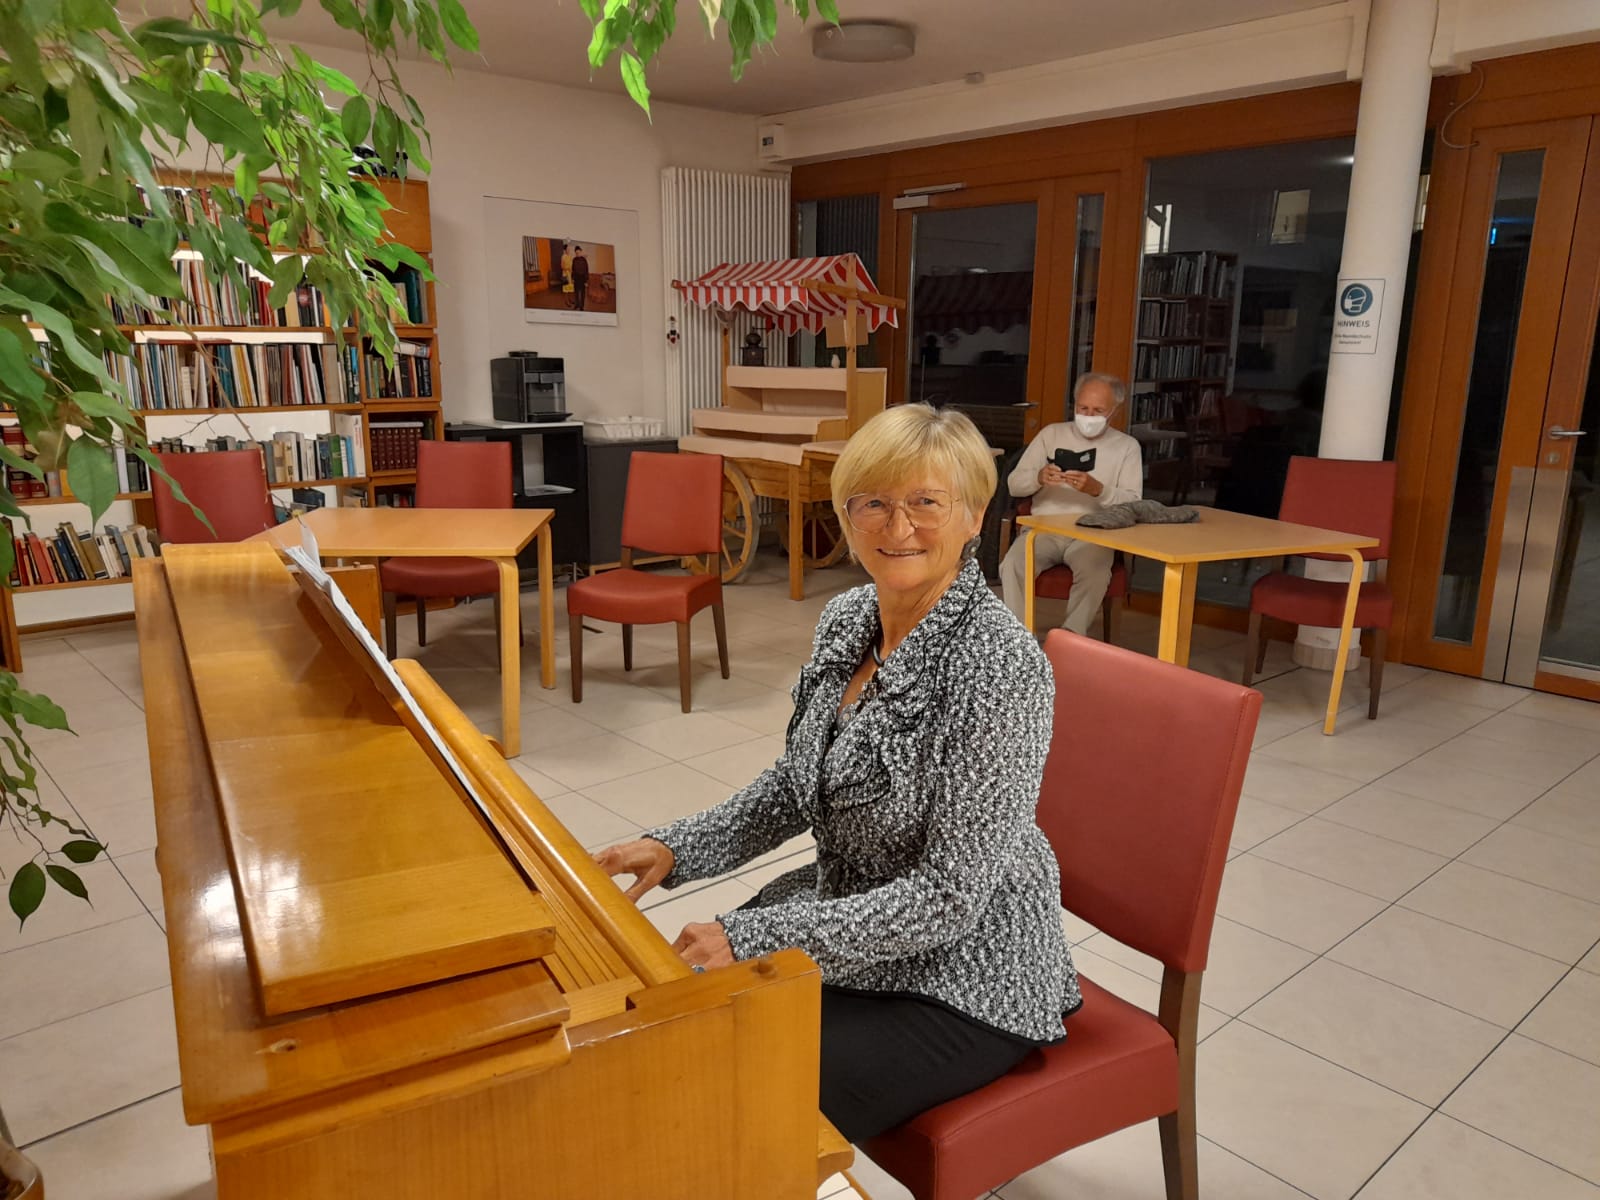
[{"x": 594, "y": 160}]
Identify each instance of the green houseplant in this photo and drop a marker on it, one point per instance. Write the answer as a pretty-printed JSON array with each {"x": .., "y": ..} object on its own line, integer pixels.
[{"x": 93, "y": 109}]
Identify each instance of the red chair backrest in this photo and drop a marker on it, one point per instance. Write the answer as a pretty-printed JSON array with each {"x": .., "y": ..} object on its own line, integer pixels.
[
  {"x": 229, "y": 486},
  {"x": 1140, "y": 790},
  {"x": 674, "y": 503},
  {"x": 463, "y": 474},
  {"x": 1347, "y": 494}
]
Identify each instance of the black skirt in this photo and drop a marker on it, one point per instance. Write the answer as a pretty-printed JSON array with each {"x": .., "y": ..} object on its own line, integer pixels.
[{"x": 888, "y": 1057}]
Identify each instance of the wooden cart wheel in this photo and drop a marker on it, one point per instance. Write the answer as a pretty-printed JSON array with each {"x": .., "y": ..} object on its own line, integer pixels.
[
  {"x": 740, "y": 529},
  {"x": 819, "y": 534}
]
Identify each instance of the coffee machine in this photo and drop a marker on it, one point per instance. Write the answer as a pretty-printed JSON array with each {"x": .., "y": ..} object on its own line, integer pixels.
[{"x": 526, "y": 388}]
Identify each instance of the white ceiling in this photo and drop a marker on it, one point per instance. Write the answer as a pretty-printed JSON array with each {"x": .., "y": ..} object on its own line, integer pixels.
[{"x": 547, "y": 40}]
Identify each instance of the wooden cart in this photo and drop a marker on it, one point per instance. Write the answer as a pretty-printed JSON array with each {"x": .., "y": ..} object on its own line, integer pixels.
[{"x": 780, "y": 429}]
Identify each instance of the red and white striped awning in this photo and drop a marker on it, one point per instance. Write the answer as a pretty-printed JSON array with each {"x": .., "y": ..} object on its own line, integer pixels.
[{"x": 779, "y": 289}]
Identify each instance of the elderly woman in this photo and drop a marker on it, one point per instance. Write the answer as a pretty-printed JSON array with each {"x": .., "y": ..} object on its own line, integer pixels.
[{"x": 914, "y": 758}]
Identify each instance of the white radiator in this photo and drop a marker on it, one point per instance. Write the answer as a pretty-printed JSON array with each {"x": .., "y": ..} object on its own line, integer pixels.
[{"x": 709, "y": 218}]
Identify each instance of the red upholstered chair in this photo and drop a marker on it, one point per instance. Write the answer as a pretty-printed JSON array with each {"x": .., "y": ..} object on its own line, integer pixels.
[
  {"x": 673, "y": 506},
  {"x": 1351, "y": 496},
  {"x": 1139, "y": 805},
  {"x": 229, "y": 486},
  {"x": 1055, "y": 583},
  {"x": 449, "y": 475}
]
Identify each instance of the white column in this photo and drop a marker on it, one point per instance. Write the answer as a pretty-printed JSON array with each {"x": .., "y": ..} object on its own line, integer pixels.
[{"x": 1390, "y": 127}]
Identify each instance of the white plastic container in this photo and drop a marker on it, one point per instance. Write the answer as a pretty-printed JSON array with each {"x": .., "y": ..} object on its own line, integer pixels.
[{"x": 623, "y": 429}]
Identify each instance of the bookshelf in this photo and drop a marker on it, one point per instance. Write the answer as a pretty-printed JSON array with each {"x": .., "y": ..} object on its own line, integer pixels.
[
  {"x": 1184, "y": 344},
  {"x": 342, "y": 393}
]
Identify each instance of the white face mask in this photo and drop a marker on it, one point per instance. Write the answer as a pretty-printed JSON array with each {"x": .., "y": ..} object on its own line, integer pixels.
[{"x": 1090, "y": 427}]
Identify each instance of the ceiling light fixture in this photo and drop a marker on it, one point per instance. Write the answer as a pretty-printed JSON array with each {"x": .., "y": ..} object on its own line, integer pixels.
[{"x": 864, "y": 42}]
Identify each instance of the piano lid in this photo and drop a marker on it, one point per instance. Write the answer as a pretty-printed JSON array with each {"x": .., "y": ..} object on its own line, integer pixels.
[{"x": 359, "y": 868}]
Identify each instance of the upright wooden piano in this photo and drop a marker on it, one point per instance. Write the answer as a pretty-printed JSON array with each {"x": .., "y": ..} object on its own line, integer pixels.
[{"x": 385, "y": 991}]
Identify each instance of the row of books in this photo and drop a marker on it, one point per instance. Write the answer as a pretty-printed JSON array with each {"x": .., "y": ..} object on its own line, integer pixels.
[
  {"x": 411, "y": 376},
  {"x": 1197, "y": 273},
  {"x": 1179, "y": 362},
  {"x": 1168, "y": 319},
  {"x": 18, "y": 482},
  {"x": 289, "y": 456},
  {"x": 413, "y": 292},
  {"x": 222, "y": 374},
  {"x": 394, "y": 444},
  {"x": 238, "y": 298},
  {"x": 191, "y": 205},
  {"x": 73, "y": 557}
]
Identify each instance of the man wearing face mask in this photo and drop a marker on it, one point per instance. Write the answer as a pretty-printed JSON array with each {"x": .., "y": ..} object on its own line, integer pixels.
[{"x": 1116, "y": 477}]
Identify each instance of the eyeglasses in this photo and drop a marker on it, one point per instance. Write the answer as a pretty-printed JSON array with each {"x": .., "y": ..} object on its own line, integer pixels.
[{"x": 871, "y": 512}]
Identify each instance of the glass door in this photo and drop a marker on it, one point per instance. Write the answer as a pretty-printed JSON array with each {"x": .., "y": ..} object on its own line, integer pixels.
[{"x": 1513, "y": 264}]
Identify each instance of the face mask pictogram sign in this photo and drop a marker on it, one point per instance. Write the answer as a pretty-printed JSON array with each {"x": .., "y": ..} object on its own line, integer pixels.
[{"x": 1357, "y": 312}]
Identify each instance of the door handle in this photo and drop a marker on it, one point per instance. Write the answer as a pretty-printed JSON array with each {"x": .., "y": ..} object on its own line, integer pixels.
[{"x": 1557, "y": 432}]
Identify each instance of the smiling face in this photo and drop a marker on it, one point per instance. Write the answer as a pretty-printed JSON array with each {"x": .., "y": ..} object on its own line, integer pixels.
[{"x": 903, "y": 557}]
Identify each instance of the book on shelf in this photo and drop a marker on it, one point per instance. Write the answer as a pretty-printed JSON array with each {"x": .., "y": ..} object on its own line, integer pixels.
[
  {"x": 394, "y": 444},
  {"x": 216, "y": 373},
  {"x": 68, "y": 556},
  {"x": 287, "y": 456},
  {"x": 412, "y": 290},
  {"x": 411, "y": 377}
]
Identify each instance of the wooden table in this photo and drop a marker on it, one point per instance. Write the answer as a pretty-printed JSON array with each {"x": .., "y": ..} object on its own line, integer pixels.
[
  {"x": 1218, "y": 536},
  {"x": 497, "y": 534}
]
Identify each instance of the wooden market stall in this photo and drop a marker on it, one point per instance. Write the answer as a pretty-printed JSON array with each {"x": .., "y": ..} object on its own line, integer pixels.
[{"x": 779, "y": 429}]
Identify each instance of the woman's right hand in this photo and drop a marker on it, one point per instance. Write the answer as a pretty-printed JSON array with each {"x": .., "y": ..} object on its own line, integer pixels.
[{"x": 646, "y": 859}]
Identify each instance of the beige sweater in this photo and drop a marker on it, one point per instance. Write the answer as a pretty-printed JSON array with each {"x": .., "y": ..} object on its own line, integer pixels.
[{"x": 1117, "y": 465}]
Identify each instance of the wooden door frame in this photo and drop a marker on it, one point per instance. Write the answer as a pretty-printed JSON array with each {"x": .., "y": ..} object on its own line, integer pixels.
[{"x": 1439, "y": 362}]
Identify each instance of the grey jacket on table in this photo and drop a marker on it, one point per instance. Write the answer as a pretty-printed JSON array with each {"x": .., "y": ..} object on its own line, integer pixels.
[{"x": 932, "y": 877}]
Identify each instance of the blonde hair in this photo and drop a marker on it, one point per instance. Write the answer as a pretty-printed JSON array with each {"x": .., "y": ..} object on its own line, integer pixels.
[{"x": 909, "y": 440}]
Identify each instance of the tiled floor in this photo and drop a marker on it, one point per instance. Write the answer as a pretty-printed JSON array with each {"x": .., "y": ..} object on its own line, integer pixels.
[{"x": 1403, "y": 1001}]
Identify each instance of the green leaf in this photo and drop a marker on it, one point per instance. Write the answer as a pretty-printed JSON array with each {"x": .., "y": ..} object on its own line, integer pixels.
[
  {"x": 456, "y": 25},
  {"x": 94, "y": 477},
  {"x": 337, "y": 80},
  {"x": 591, "y": 9},
  {"x": 228, "y": 122},
  {"x": 355, "y": 118},
  {"x": 98, "y": 404},
  {"x": 40, "y": 710},
  {"x": 68, "y": 881},
  {"x": 83, "y": 121},
  {"x": 17, "y": 369},
  {"x": 286, "y": 276},
  {"x": 633, "y": 80},
  {"x": 160, "y": 35},
  {"x": 27, "y": 891},
  {"x": 712, "y": 10},
  {"x": 82, "y": 851},
  {"x": 55, "y": 322},
  {"x": 8, "y": 550},
  {"x": 828, "y": 10},
  {"x": 386, "y": 135},
  {"x": 41, "y": 165}
]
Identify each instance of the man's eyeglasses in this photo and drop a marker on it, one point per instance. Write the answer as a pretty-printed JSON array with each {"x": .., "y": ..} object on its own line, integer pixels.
[{"x": 871, "y": 512}]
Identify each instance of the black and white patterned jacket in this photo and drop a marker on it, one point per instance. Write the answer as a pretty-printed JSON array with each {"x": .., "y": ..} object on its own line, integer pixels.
[{"x": 931, "y": 877}]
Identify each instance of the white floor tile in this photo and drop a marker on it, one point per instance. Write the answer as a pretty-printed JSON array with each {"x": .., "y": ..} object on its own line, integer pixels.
[
  {"x": 1409, "y": 819},
  {"x": 143, "y": 1152},
  {"x": 1580, "y": 714},
  {"x": 1538, "y": 1099},
  {"x": 1350, "y": 857},
  {"x": 1565, "y": 812},
  {"x": 738, "y": 765},
  {"x": 54, "y": 980},
  {"x": 1558, "y": 863},
  {"x": 1258, "y": 820},
  {"x": 1361, "y": 750},
  {"x": 688, "y": 734},
  {"x": 1413, "y": 1045},
  {"x": 75, "y": 1070},
  {"x": 660, "y": 794},
  {"x": 671, "y": 911},
  {"x": 1303, "y": 789},
  {"x": 1298, "y": 908},
  {"x": 1301, "y": 1118},
  {"x": 139, "y": 869},
  {"x": 110, "y": 899},
  {"x": 1245, "y": 965},
  {"x": 1467, "y": 971},
  {"x": 1446, "y": 1160},
  {"x": 1568, "y": 1019},
  {"x": 580, "y": 765},
  {"x": 1436, "y": 776},
  {"x": 1524, "y": 914}
]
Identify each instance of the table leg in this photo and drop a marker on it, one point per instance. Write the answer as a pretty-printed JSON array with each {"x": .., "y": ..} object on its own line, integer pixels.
[
  {"x": 510, "y": 659},
  {"x": 1027, "y": 578},
  {"x": 797, "y": 549},
  {"x": 1358, "y": 568},
  {"x": 547, "y": 609},
  {"x": 1177, "y": 611}
]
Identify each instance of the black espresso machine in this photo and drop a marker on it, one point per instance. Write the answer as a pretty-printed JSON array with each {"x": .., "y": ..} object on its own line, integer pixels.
[{"x": 526, "y": 388}]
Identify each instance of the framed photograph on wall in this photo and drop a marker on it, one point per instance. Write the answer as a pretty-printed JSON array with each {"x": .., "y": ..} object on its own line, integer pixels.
[{"x": 569, "y": 281}]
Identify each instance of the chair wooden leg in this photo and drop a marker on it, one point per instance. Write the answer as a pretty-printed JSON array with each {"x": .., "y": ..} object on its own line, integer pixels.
[
  {"x": 575, "y": 630},
  {"x": 498, "y": 648},
  {"x": 1180, "y": 1149},
  {"x": 1107, "y": 610},
  {"x": 720, "y": 620},
  {"x": 685, "y": 665},
  {"x": 422, "y": 621},
  {"x": 627, "y": 647},
  {"x": 1254, "y": 650},
  {"x": 1380, "y": 645},
  {"x": 391, "y": 607}
]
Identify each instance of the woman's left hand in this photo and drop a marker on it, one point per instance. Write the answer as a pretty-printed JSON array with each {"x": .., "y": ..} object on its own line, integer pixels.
[
  {"x": 1084, "y": 482},
  {"x": 704, "y": 945}
]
